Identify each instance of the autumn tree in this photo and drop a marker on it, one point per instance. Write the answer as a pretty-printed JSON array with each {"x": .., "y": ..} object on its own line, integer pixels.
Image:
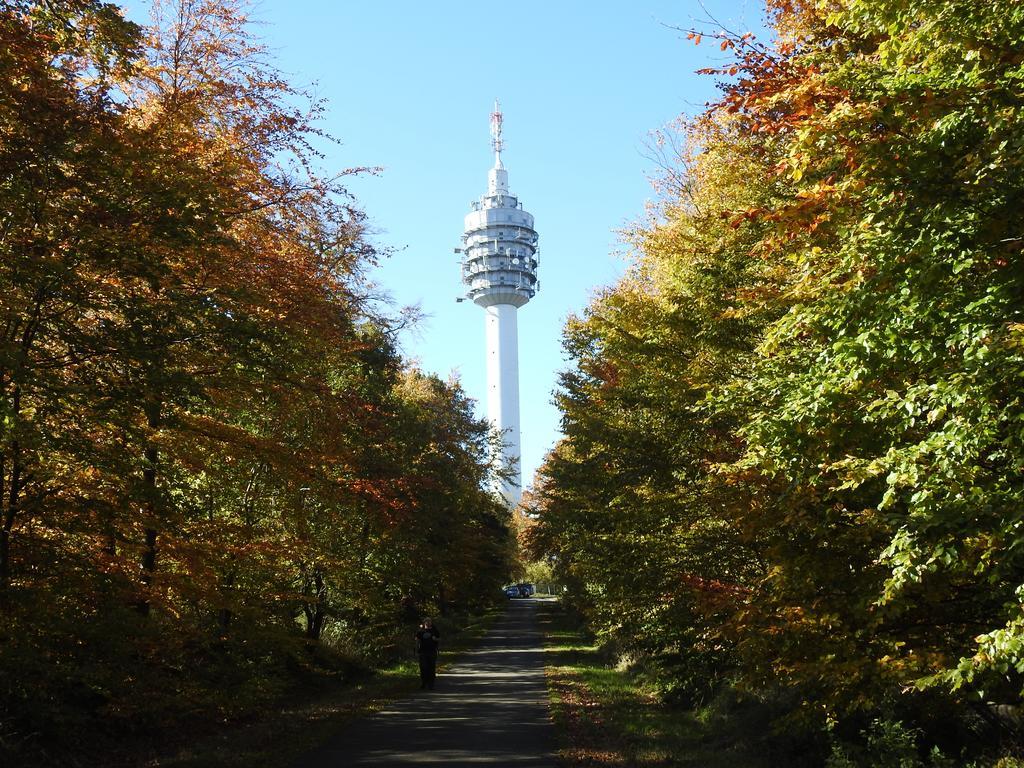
[
  {"x": 65, "y": 176},
  {"x": 895, "y": 421},
  {"x": 631, "y": 508},
  {"x": 212, "y": 455},
  {"x": 832, "y": 278}
]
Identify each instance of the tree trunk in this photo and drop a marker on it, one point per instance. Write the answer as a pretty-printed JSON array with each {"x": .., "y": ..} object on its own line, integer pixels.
[
  {"x": 5, "y": 558},
  {"x": 150, "y": 510},
  {"x": 5, "y": 531},
  {"x": 442, "y": 599},
  {"x": 225, "y": 614},
  {"x": 314, "y": 611},
  {"x": 10, "y": 504},
  {"x": 10, "y": 513}
]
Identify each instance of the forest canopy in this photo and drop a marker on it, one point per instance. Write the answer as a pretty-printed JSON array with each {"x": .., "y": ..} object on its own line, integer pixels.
[
  {"x": 214, "y": 460},
  {"x": 794, "y": 432}
]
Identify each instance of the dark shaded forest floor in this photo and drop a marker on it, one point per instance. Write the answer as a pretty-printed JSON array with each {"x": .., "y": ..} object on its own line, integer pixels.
[
  {"x": 269, "y": 731},
  {"x": 276, "y": 737}
]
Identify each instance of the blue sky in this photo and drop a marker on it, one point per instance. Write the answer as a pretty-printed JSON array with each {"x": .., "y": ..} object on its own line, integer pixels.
[{"x": 410, "y": 86}]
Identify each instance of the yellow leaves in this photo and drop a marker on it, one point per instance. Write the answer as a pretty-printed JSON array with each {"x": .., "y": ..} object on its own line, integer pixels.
[
  {"x": 834, "y": 18},
  {"x": 1016, "y": 334}
]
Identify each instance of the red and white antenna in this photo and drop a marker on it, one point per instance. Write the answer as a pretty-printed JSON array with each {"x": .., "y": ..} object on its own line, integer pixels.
[{"x": 496, "y": 120}]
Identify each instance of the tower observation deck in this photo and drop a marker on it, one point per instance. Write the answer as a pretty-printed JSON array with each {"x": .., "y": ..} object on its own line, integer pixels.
[{"x": 499, "y": 270}]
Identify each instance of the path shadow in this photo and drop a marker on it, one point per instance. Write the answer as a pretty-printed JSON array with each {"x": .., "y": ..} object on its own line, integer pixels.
[{"x": 488, "y": 708}]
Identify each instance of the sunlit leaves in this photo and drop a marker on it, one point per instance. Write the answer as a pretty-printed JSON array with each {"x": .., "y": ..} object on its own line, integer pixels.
[
  {"x": 204, "y": 421},
  {"x": 834, "y": 277}
]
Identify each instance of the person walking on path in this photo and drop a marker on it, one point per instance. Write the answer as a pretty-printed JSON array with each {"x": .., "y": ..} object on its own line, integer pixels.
[{"x": 427, "y": 638}]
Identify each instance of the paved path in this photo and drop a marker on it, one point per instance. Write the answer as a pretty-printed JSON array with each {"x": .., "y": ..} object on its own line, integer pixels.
[{"x": 491, "y": 709}]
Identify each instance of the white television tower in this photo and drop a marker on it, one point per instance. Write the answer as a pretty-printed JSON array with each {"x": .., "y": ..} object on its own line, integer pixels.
[{"x": 499, "y": 269}]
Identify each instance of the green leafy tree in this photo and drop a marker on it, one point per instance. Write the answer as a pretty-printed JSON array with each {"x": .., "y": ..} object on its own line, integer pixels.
[{"x": 807, "y": 389}]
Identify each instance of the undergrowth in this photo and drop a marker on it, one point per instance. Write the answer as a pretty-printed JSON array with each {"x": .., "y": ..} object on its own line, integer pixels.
[
  {"x": 618, "y": 715},
  {"x": 260, "y": 700}
]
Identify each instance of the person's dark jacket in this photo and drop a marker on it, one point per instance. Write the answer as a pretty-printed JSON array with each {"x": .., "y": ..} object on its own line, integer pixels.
[{"x": 426, "y": 641}]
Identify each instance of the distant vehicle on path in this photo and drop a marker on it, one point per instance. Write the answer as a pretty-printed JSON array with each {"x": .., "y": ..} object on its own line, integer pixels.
[{"x": 519, "y": 590}]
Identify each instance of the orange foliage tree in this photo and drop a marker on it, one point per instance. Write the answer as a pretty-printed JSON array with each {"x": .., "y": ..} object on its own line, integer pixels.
[{"x": 211, "y": 453}]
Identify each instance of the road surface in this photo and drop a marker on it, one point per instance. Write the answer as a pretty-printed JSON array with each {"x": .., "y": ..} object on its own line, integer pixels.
[{"x": 490, "y": 709}]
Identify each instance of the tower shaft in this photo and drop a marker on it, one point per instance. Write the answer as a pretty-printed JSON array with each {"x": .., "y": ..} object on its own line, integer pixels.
[{"x": 503, "y": 390}]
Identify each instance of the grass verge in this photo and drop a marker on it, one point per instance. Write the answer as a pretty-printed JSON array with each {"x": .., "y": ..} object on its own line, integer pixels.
[{"x": 606, "y": 716}]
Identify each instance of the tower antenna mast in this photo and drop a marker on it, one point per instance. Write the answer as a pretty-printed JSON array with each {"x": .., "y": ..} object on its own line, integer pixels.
[{"x": 496, "y": 140}]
